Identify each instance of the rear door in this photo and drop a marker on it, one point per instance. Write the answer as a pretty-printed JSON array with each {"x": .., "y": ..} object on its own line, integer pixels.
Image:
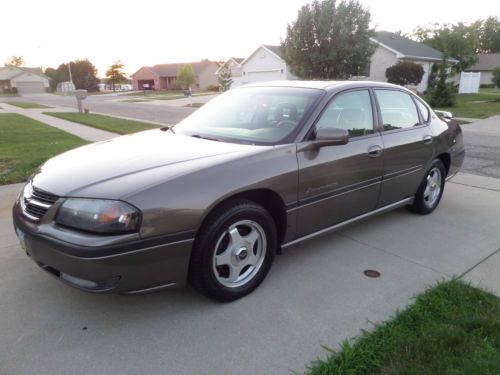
[
  {"x": 407, "y": 142},
  {"x": 337, "y": 183}
]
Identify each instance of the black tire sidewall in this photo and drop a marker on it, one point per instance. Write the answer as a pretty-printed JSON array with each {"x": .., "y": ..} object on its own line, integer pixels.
[{"x": 419, "y": 206}]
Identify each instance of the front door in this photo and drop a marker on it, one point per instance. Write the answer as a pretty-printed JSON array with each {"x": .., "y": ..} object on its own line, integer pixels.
[{"x": 337, "y": 183}]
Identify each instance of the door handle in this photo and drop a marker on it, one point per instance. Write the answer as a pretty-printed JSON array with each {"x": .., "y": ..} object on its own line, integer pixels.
[
  {"x": 374, "y": 151},
  {"x": 427, "y": 139}
]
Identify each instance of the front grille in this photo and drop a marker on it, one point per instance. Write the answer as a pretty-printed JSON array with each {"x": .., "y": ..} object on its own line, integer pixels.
[{"x": 37, "y": 202}]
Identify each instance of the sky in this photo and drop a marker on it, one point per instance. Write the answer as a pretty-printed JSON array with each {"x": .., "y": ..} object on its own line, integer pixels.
[{"x": 148, "y": 32}]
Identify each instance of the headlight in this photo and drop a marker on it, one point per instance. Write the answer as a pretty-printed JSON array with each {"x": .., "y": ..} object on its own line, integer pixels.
[{"x": 98, "y": 215}]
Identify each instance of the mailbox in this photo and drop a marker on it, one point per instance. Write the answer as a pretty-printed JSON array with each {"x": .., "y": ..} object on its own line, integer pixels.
[{"x": 80, "y": 95}]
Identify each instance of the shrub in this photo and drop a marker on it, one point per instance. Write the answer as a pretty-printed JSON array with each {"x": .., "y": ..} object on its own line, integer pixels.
[
  {"x": 405, "y": 73},
  {"x": 441, "y": 93},
  {"x": 496, "y": 77},
  {"x": 213, "y": 88}
]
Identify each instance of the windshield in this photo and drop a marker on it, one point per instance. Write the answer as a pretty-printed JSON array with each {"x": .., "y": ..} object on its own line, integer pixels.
[{"x": 256, "y": 115}]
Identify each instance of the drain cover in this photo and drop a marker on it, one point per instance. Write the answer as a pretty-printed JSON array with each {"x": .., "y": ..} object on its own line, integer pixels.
[{"x": 371, "y": 273}]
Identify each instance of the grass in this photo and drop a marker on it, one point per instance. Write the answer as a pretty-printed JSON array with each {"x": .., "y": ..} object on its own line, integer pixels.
[
  {"x": 166, "y": 95},
  {"x": 135, "y": 100},
  {"x": 482, "y": 105},
  {"x": 28, "y": 105},
  {"x": 26, "y": 143},
  {"x": 452, "y": 328},
  {"x": 109, "y": 123},
  {"x": 195, "y": 105}
]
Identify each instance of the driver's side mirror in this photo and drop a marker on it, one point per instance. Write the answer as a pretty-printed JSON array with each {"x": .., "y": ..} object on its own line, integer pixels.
[{"x": 326, "y": 137}]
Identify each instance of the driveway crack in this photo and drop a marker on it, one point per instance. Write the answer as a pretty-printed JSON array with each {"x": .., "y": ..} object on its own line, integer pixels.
[{"x": 478, "y": 263}]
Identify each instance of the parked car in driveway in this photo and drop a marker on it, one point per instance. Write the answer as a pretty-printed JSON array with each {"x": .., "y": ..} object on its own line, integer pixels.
[{"x": 213, "y": 199}]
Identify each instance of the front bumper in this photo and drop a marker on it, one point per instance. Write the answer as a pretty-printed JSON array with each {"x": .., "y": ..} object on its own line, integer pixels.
[{"x": 130, "y": 267}]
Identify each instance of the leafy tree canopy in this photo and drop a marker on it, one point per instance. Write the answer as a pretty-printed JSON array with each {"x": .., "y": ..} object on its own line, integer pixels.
[
  {"x": 14, "y": 61},
  {"x": 83, "y": 72},
  {"x": 329, "y": 41},
  {"x": 186, "y": 76},
  {"x": 115, "y": 74},
  {"x": 462, "y": 41}
]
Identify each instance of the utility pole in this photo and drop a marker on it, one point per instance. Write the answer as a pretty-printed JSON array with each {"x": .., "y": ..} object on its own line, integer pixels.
[{"x": 70, "y": 77}]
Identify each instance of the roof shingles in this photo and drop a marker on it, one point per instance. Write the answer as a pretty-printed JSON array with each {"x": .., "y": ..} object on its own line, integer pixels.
[{"x": 407, "y": 47}]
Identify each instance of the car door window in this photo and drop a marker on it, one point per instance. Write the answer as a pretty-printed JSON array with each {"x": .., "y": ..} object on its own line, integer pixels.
[
  {"x": 351, "y": 111},
  {"x": 397, "y": 109},
  {"x": 424, "y": 111}
]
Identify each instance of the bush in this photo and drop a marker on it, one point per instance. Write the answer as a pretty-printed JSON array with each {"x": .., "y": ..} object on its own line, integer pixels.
[
  {"x": 496, "y": 77},
  {"x": 487, "y": 86},
  {"x": 441, "y": 93},
  {"x": 213, "y": 88},
  {"x": 405, "y": 73}
]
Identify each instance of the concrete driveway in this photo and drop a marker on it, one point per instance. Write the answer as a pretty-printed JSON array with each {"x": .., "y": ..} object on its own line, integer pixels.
[{"x": 316, "y": 294}]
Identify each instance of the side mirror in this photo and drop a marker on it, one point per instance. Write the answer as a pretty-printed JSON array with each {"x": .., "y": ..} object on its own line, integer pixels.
[
  {"x": 445, "y": 114},
  {"x": 326, "y": 137}
]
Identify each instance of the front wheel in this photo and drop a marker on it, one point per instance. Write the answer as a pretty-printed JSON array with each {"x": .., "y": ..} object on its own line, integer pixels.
[
  {"x": 430, "y": 190},
  {"x": 233, "y": 251}
]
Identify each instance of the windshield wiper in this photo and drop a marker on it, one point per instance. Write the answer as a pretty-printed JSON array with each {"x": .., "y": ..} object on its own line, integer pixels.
[{"x": 204, "y": 137}]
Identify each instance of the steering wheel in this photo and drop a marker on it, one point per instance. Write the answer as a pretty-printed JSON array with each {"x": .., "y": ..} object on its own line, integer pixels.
[{"x": 285, "y": 122}]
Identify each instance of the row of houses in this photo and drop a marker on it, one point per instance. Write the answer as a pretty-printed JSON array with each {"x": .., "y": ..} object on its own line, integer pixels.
[{"x": 266, "y": 63}]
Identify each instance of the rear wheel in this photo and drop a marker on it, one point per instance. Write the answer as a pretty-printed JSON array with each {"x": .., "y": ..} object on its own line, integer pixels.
[
  {"x": 233, "y": 251},
  {"x": 430, "y": 190}
]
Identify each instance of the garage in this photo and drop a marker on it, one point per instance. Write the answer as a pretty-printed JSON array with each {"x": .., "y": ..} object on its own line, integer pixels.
[
  {"x": 272, "y": 75},
  {"x": 30, "y": 87}
]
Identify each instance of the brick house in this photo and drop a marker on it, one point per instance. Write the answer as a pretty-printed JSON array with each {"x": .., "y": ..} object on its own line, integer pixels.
[{"x": 164, "y": 76}]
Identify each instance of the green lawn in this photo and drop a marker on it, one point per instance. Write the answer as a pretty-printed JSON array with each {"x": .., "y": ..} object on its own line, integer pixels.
[
  {"x": 166, "y": 95},
  {"x": 26, "y": 143},
  {"x": 195, "y": 105},
  {"x": 109, "y": 123},
  {"x": 482, "y": 105},
  {"x": 450, "y": 329},
  {"x": 27, "y": 105}
]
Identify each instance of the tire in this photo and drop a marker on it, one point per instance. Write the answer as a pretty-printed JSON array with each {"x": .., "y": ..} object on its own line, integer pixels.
[
  {"x": 430, "y": 190},
  {"x": 233, "y": 251}
]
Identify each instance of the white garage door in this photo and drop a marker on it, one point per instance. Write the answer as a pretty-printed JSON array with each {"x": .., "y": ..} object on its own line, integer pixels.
[
  {"x": 272, "y": 75},
  {"x": 30, "y": 87}
]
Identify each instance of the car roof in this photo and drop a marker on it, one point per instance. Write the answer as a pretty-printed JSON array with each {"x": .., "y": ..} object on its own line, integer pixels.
[{"x": 323, "y": 85}]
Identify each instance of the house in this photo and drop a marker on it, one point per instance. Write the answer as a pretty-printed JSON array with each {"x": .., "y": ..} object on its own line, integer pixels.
[
  {"x": 164, "y": 76},
  {"x": 392, "y": 48},
  {"x": 25, "y": 80},
  {"x": 485, "y": 65},
  {"x": 265, "y": 64},
  {"x": 235, "y": 65}
]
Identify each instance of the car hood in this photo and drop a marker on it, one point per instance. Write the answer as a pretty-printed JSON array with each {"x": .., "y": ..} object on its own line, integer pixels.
[{"x": 149, "y": 156}]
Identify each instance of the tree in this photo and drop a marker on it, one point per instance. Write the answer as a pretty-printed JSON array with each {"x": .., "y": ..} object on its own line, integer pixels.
[
  {"x": 14, "y": 61},
  {"x": 496, "y": 78},
  {"x": 186, "y": 76},
  {"x": 328, "y": 41},
  {"x": 115, "y": 74},
  {"x": 83, "y": 72},
  {"x": 441, "y": 93},
  {"x": 460, "y": 41},
  {"x": 225, "y": 81},
  {"x": 490, "y": 35},
  {"x": 405, "y": 73}
]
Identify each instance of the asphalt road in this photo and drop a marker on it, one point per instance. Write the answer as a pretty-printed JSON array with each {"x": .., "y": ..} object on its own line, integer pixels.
[
  {"x": 316, "y": 294},
  {"x": 113, "y": 105},
  {"x": 482, "y": 147}
]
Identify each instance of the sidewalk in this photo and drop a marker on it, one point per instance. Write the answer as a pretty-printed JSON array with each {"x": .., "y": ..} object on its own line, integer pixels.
[{"x": 87, "y": 133}]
